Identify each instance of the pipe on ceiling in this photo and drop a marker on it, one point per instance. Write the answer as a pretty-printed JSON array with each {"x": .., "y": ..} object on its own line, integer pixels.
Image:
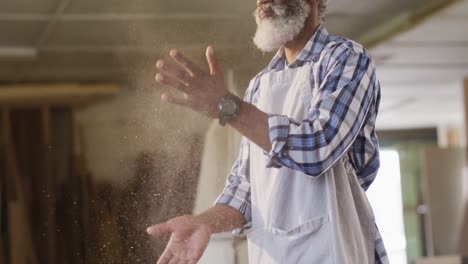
[{"x": 403, "y": 22}]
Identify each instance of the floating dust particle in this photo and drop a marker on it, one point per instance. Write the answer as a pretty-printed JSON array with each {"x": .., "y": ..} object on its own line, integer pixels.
[{"x": 158, "y": 152}]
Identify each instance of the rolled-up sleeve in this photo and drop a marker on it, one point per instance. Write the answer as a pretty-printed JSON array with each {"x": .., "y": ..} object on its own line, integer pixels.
[
  {"x": 341, "y": 106},
  {"x": 236, "y": 193}
]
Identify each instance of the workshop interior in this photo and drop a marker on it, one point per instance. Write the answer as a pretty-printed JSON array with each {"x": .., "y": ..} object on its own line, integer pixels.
[{"x": 90, "y": 156}]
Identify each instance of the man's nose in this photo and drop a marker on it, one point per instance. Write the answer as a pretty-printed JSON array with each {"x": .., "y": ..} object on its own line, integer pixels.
[{"x": 262, "y": 2}]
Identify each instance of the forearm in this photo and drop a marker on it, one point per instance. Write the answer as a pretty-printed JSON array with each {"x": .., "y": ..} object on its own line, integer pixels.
[
  {"x": 253, "y": 124},
  {"x": 221, "y": 218}
]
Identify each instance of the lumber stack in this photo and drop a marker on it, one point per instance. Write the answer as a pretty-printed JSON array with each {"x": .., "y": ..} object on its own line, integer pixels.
[{"x": 53, "y": 210}]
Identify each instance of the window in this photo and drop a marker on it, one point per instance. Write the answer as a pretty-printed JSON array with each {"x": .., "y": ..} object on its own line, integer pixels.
[{"x": 385, "y": 196}]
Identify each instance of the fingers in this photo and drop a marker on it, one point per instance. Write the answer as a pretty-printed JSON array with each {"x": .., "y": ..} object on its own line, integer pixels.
[
  {"x": 171, "y": 81},
  {"x": 158, "y": 230},
  {"x": 170, "y": 70},
  {"x": 174, "y": 260},
  {"x": 184, "y": 261},
  {"x": 174, "y": 100},
  {"x": 168, "y": 258},
  {"x": 165, "y": 258},
  {"x": 212, "y": 61},
  {"x": 188, "y": 65}
]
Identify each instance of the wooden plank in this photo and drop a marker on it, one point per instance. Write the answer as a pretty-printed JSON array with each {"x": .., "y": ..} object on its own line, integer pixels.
[
  {"x": 3, "y": 238},
  {"x": 465, "y": 97},
  {"x": 21, "y": 245},
  {"x": 25, "y": 96},
  {"x": 444, "y": 196},
  {"x": 87, "y": 191},
  {"x": 11, "y": 192},
  {"x": 463, "y": 246},
  {"x": 51, "y": 186}
]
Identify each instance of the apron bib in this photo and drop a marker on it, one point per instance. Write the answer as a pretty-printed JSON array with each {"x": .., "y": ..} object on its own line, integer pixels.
[{"x": 297, "y": 218}]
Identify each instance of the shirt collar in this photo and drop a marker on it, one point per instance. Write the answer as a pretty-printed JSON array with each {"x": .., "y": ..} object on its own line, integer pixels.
[{"x": 311, "y": 51}]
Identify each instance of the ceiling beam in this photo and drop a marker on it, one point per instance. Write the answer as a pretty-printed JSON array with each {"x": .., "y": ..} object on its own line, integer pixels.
[
  {"x": 55, "y": 95},
  {"x": 427, "y": 44},
  {"x": 16, "y": 17},
  {"x": 16, "y": 52},
  {"x": 403, "y": 22},
  {"x": 120, "y": 17},
  {"x": 453, "y": 17},
  {"x": 424, "y": 66},
  {"x": 412, "y": 83},
  {"x": 135, "y": 49},
  {"x": 173, "y": 16}
]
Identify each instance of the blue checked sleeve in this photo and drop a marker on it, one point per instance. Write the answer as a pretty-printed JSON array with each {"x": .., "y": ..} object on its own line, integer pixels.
[
  {"x": 345, "y": 96},
  {"x": 236, "y": 194}
]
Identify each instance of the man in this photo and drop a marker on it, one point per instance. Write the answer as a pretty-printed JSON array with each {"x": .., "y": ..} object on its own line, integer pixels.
[{"x": 308, "y": 152}]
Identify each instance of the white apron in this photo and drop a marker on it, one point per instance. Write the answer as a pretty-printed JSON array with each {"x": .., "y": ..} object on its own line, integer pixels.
[{"x": 297, "y": 218}]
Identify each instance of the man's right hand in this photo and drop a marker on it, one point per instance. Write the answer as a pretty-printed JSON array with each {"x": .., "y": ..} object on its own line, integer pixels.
[{"x": 189, "y": 239}]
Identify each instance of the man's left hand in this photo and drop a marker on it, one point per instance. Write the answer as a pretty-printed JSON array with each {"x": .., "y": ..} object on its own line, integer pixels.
[{"x": 201, "y": 90}]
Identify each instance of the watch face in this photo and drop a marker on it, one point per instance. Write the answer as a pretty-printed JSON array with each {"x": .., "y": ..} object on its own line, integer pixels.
[{"x": 228, "y": 107}]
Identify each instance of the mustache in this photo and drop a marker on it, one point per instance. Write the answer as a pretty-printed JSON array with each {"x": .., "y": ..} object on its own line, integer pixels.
[{"x": 270, "y": 7}]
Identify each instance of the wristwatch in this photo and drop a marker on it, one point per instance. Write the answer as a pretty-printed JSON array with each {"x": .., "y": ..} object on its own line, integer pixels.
[{"x": 228, "y": 107}]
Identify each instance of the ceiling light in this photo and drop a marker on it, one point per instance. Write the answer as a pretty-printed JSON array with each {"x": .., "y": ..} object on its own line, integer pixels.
[{"x": 17, "y": 52}]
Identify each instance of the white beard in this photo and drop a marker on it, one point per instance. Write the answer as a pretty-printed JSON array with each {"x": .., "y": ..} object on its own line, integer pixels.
[{"x": 273, "y": 33}]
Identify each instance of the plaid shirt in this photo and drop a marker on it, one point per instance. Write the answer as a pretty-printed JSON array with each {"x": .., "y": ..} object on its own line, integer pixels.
[{"x": 341, "y": 121}]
